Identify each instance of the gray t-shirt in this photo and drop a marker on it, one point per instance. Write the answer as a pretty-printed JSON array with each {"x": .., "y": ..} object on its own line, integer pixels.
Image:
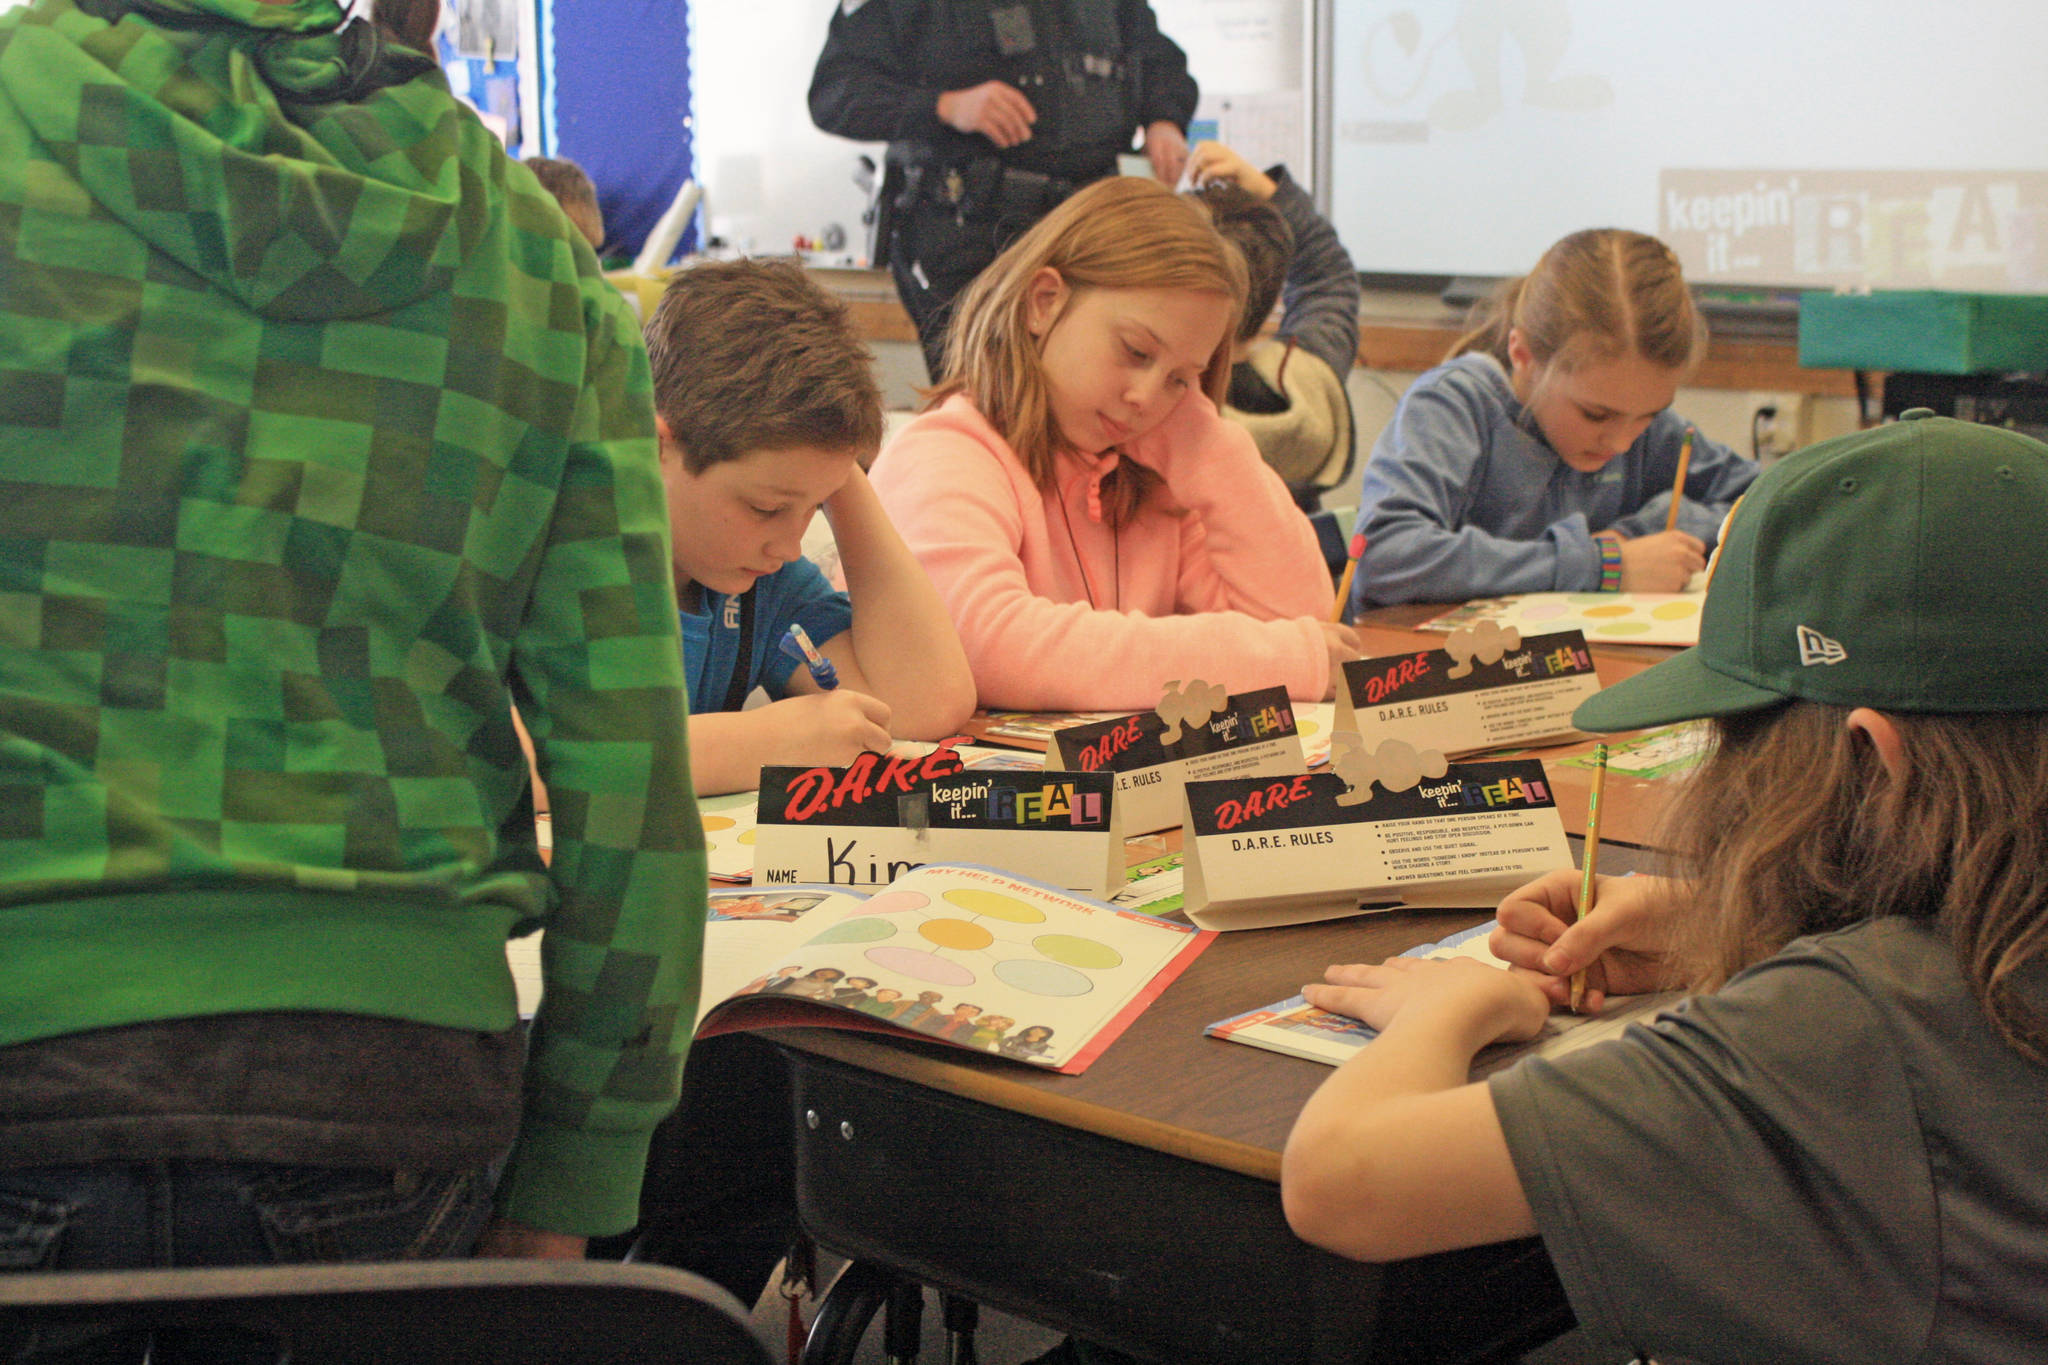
[{"x": 1833, "y": 1158}]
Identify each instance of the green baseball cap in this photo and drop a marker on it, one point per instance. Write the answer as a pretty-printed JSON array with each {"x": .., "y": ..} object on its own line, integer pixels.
[{"x": 1903, "y": 568}]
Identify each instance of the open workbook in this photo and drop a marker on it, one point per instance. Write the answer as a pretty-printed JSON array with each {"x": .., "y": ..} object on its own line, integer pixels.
[
  {"x": 1298, "y": 1029},
  {"x": 961, "y": 954}
]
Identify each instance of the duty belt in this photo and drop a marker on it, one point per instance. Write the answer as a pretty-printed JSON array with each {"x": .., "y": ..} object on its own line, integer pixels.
[{"x": 986, "y": 189}]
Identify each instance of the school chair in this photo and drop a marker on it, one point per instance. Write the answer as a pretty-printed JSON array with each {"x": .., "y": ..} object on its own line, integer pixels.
[{"x": 481, "y": 1312}]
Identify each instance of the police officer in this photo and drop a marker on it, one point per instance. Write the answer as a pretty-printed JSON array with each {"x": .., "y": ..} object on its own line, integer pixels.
[{"x": 994, "y": 111}]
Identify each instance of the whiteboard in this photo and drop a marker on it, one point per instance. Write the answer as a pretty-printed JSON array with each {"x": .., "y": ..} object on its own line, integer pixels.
[{"x": 1891, "y": 144}]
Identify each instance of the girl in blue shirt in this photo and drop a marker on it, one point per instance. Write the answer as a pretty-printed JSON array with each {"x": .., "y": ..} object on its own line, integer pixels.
[{"x": 1541, "y": 456}]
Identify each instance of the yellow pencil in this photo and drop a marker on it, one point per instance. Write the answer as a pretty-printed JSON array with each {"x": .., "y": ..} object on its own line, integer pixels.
[
  {"x": 1678, "y": 484},
  {"x": 1357, "y": 548},
  {"x": 1592, "y": 858}
]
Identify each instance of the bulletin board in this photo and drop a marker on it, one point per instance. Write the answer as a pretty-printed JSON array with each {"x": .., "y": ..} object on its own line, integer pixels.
[{"x": 1252, "y": 60}]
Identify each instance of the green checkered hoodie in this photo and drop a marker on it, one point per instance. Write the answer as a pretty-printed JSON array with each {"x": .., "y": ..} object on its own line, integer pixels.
[{"x": 322, "y": 442}]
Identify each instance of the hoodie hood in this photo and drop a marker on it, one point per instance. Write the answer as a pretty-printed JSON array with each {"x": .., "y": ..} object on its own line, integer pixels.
[{"x": 305, "y": 168}]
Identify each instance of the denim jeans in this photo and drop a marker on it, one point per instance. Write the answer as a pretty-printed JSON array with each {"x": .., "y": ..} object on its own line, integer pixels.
[{"x": 131, "y": 1215}]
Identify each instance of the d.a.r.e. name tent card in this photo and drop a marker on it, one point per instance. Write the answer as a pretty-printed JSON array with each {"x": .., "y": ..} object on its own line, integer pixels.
[
  {"x": 1323, "y": 845},
  {"x": 1197, "y": 731},
  {"x": 1487, "y": 688},
  {"x": 863, "y": 825}
]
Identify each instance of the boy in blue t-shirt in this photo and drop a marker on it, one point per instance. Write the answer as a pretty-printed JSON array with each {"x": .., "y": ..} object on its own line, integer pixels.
[{"x": 767, "y": 409}]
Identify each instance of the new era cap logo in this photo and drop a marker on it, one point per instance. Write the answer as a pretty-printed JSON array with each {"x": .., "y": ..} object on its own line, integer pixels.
[{"x": 1816, "y": 648}]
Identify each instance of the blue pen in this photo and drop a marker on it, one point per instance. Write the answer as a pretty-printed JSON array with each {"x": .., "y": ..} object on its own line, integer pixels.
[{"x": 796, "y": 642}]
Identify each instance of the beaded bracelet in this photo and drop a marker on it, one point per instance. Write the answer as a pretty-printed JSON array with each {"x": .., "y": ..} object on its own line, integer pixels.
[{"x": 1610, "y": 561}]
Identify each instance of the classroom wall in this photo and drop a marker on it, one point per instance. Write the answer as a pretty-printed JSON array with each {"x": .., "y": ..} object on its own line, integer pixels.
[{"x": 768, "y": 173}]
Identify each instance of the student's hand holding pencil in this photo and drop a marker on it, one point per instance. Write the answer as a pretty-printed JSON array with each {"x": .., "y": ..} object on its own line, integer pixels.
[
  {"x": 1662, "y": 562},
  {"x": 825, "y": 728},
  {"x": 1623, "y": 946}
]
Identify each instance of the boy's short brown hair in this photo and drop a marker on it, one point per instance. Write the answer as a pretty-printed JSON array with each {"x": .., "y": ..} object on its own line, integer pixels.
[
  {"x": 571, "y": 186},
  {"x": 1262, "y": 236},
  {"x": 562, "y": 178},
  {"x": 751, "y": 355}
]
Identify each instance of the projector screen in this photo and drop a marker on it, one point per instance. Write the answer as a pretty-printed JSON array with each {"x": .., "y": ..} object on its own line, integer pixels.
[{"x": 1889, "y": 144}]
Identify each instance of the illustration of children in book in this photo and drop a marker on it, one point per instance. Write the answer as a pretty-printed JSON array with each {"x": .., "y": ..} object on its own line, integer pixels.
[
  {"x": 775, "y": 983},
  {"x": 854, "y": 994},
  {"x": 816, "y": 984},
  {"x": 886, "y": 1003},
  {"x": 989, "y": 1032},
  {"x": 954, "y": 1026},
  {"x": 1186, "y": 707},
  {"x": 914, "y": 1014},
  {"x": 1028, "y": 1044}
]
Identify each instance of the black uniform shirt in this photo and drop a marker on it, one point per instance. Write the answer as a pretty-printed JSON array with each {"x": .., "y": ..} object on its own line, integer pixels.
[{"x": 886, "y": 62}]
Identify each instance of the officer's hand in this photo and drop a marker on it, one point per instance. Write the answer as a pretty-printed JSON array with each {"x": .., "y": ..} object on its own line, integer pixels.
[
  {"x": 1167, "y": 149},
  {"x": 1213, "y": 163},
  {"x": 999, "y": 112}
]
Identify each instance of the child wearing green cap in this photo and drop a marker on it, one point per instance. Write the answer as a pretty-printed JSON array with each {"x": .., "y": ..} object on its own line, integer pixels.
[{"x": 1833, "y": 1151}]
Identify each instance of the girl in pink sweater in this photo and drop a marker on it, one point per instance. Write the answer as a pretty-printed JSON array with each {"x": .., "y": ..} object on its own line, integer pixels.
[{"x": 1096, "y": 529}]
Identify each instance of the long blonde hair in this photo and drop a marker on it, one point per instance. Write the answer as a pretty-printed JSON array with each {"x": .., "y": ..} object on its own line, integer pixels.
[
  {"x": 1596, "y": 295},
  {"x": 1124, "y": 232},
  {"x": 1793, "y": 826}
]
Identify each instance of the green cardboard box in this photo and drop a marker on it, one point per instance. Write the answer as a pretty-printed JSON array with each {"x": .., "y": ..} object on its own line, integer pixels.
[{"x": 1924, "y": 330}]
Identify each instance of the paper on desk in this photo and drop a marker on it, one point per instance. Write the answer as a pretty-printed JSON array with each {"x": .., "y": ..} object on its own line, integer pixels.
[
  {"x": 1155, "y": 886},
  {"x": 1036, "y": 727},
  {"x": 1295, "y": 1028},
  {"x": 1612, "y": 618},
  {"x": 1313, "y": 721},
  {"x": 1663, "y": 752}
]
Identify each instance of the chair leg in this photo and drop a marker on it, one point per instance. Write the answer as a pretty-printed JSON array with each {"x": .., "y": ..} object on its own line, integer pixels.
[
  {"x": 963, "y": 1317},
  {"x": 903, "y": 1327},
  {"x": 859, "y": 1292}
]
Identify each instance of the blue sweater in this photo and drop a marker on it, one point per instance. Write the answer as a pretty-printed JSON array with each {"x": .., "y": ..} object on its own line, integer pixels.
[{"x": 1463, "y": 497}]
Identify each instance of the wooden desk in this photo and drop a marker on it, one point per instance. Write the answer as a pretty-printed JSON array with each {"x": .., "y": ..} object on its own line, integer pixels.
[{"x": 1137, "y": 1204}]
